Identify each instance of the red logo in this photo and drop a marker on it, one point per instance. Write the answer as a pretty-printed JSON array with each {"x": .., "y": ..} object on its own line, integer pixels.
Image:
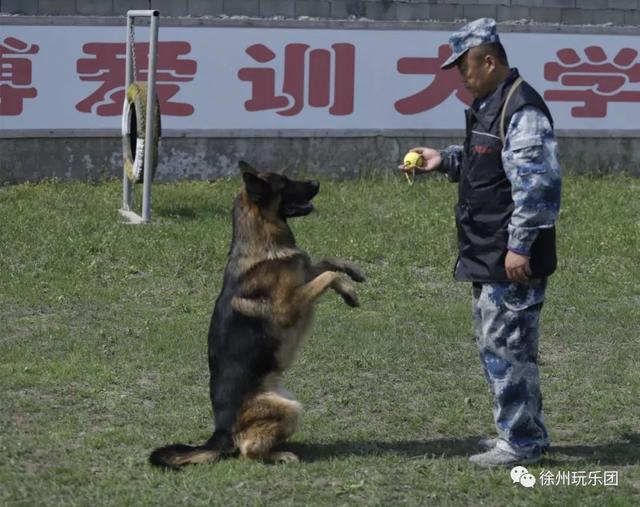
[{"x": 483, "y": 150}]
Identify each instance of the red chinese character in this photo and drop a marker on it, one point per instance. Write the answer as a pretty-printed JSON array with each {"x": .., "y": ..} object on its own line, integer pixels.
[
  {"x": 445, "y": 82},
  {"x": 17, "y": 72},
  {"x": 598, "y": 81},
  {"x": 320, "y": 75},
  {"x": 108, "y": 67}
]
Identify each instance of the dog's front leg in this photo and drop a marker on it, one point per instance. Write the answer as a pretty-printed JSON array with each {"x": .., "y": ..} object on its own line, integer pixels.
[
  {"x": 306, "y": 294},
  {"x": 259, "y": 308},
  {"x": 337, "y": 264}
]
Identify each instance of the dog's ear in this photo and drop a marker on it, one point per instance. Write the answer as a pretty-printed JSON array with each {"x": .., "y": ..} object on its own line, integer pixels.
[
  {"x": 257, "y": 188},
  {"x": 246, "y": 167}
]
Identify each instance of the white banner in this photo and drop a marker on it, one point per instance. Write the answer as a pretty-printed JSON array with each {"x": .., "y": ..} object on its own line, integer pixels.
[{"x": 210, "y": 78}]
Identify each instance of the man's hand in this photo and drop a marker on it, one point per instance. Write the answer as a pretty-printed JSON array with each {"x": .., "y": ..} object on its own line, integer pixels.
[
  {"x": 517, "y": 267},
  {"x": 432, "y": 160}
]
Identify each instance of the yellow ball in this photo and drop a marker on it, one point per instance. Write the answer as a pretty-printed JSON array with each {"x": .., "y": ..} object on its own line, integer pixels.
[{"x": 413, "y": 159}]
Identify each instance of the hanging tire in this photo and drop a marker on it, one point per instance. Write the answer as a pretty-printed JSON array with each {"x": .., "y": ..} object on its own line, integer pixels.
[{"x": 134, "y": 132}]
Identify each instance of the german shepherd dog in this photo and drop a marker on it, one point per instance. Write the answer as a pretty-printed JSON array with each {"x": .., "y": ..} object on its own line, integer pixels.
[{"x": 260, "y": 317}]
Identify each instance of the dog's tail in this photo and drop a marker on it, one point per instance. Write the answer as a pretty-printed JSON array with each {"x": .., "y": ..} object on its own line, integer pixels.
[{"x": 176, "y": 455}]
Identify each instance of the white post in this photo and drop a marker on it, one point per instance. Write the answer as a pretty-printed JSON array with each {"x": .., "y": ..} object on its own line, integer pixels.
[
  {"x": 127, "y": 190},
  {"x": 151, "y": 102}
]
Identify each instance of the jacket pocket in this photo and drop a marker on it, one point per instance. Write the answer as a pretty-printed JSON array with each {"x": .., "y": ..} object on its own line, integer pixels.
[{"x": 527, "y": 153}]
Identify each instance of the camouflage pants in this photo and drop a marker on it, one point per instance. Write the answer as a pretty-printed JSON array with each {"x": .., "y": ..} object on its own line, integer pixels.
[{"x": 505, "y": 325}]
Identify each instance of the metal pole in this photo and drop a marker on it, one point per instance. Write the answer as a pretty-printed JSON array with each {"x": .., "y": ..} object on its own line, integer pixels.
[
  {"x": 151, "y": 102},
  {"x": 126, "y": 184}
]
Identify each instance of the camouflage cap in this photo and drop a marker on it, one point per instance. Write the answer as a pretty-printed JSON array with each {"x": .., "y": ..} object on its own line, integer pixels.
[{"x": 478, "y": 32}]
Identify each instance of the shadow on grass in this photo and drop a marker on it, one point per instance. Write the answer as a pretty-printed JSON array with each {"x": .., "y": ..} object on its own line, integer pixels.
[
  {"x": 192, "y": 212},
  {"x": 626, "y": 452},
  {"x": 440, "y": 448}
]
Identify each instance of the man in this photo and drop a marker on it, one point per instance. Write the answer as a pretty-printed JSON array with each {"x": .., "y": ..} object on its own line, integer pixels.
[{"x": 508, "y": 201}]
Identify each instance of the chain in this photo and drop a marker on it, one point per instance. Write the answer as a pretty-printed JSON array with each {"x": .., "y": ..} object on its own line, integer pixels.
[{"x": 132, "y": 43}]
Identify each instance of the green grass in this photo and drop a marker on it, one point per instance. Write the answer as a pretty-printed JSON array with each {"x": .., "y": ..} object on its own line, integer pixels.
[{"x": 103, "y": 351}]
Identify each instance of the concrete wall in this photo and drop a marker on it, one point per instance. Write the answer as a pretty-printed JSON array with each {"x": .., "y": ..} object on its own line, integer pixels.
[
  {"x": 96, "y": 159},
  {"x": 582, "y": 12}
]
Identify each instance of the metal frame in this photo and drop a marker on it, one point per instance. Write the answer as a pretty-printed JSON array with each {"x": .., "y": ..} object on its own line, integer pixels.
[{"x": 127, "y": 191}]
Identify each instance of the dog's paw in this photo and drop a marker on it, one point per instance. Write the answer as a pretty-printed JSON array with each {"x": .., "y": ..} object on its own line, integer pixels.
[
  {"x": 354, "y": 272},
  {"x": 283, "y": 457},
  {"x": 346, "y": 290},
  {"x": 351, "y": 298}
]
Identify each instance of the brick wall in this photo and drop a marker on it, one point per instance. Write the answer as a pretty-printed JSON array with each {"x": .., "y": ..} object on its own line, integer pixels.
[{"x": 570, "y": 12}]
